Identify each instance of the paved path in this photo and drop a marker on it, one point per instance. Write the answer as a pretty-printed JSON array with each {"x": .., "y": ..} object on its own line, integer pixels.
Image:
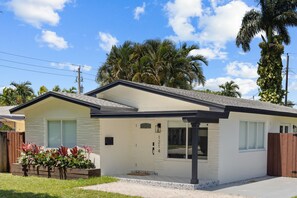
[
  {"x": 154, "y": 192},
  {"x": 269, "y": 187}
]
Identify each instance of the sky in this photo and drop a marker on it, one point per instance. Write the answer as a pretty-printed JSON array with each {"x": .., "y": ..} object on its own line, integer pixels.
[{"x": 43, "y": 41}]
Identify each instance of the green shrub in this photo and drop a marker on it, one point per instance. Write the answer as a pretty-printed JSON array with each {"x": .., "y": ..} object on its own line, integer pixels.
[{"x": 63, "y": 157}]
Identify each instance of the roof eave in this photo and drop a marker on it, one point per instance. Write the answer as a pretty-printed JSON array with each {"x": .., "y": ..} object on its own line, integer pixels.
[
  {"x": 212, "y": 106},
  {"x": 55, "y": 95},
  {"x": 260, "y": 111}
]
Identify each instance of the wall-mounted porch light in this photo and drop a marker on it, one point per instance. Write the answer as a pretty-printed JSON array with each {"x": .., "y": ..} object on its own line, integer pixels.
[{"x": 158, "y": 128}]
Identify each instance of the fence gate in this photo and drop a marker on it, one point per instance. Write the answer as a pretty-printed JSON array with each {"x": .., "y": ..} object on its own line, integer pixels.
[
  {"x": 282, "y": 154},
  {"x": 10, "y": 144}
]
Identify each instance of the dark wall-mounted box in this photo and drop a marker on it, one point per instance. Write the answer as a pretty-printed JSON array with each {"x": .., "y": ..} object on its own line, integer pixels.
[{"x": 108, "y": 140}]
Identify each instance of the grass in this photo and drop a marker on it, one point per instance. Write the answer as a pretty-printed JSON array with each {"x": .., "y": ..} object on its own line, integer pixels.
[{"x": 37, "y": 187}]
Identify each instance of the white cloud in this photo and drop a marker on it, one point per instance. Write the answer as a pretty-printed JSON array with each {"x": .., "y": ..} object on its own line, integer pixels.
[
  {"x": 210, "y": 53},
  {"x": 180, "y": 13},
  {"x": 38, "y": 12},
  {"x": 217, "y": 24},
  {"x": 52, "y": 40},
  {"x": 140, "y": 10},
  {"x": 71, "y": 66},
  {"x": 1, "y": 90},
  {"x": 242, "y": 70},
  {"x": 107, "y": 41},
  {"x": 246, "y": 86},
  {"x": 223, "y": 25}
]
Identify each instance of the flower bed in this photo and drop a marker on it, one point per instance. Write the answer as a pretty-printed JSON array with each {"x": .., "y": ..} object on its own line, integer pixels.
[{"x": 62, "y": 163}]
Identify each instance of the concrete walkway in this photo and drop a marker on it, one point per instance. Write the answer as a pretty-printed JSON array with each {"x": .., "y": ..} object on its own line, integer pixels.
[
  {"x": 268, "y": 187},
  {"x": 146, "y": 191}
]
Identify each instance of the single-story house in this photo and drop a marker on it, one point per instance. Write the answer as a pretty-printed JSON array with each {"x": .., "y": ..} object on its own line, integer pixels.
[
  {"x": 140, "y": 127},
  {"x": 10, "y": 122}
]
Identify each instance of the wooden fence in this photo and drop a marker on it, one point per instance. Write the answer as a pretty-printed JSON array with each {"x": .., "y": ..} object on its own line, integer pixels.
[
  {"x": 10, "y": 144},
  {"x": 282, "y": 154}
]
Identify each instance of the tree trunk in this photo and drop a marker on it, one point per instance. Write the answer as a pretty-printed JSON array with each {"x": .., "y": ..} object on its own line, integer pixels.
[{"x": 270, "y": 71}]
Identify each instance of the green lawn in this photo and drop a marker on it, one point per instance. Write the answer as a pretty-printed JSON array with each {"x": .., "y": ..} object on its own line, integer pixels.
[{"x": 36, "y": 187}]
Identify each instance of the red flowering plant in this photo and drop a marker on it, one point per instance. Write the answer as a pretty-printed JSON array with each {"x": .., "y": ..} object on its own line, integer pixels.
[
  {"x": 79, "y": 158},
  {"x": 29, "y": 154},
  {"x": 62, "y": 157}
]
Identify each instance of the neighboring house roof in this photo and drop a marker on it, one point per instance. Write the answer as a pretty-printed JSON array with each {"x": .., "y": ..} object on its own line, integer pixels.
[
  {"x": 215, "y": 102},
  {"x": 5, "y": 114},
  {"x": 80, "y": 99}
]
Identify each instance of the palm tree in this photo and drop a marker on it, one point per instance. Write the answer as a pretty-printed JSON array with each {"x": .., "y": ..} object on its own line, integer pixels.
[
  {"x": 56, "y": 88},
  {"x": 8, "y": 97},
  {"x": 70, "y": 90},
  {"x": 186, "y": 69},
  {"x": 153, "y": 62},
  {"x": 23, "y": 91},
  {"x": 42, "y": 90},
  {"x": 230, "y": 89},
  {"x": 274, "y": 18},
  {"x": 118, "y": 64}
]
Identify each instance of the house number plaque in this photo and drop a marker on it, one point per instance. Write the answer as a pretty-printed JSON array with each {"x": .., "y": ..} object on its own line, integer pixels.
[{"x": 159, "y": 144}]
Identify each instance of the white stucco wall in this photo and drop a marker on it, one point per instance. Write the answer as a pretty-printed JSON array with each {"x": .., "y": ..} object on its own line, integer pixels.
[
  {"x": 56, "y": 109},
  {"x": 146, "y": 101},
  {"x": 237, "y": 165},
  {"x": 121, "y": 158},
  {"x": 115, "y": 159}
]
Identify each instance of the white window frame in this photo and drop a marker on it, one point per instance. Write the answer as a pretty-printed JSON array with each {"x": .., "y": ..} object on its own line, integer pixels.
[
  {"x": 61, "y": 122},
  {"x": 247, "y": 149},
  {"x": 284, "y": 125}
]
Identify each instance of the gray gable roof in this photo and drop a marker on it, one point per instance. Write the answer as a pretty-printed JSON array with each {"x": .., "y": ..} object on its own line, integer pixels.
[
  {"x": 80, "y": 99},
  {"x": 213, "y": 101}
]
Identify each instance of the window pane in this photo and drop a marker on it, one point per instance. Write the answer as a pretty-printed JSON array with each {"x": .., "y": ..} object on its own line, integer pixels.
[
  {"x": 54, "y": 134},
  {"x": 286, "y": 129},
  {"x": 176, "y": 142},
  {"x": 260, "y": 139},
  {"x": 69, "y": 133},
  {"x": 281, "y": 129},
  {"x": 252, "y": 135},
  {"x": 203, "y": 142},
  {"x": 243, "y": 136}
]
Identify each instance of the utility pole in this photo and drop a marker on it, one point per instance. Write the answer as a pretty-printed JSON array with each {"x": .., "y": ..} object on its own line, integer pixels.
[
  {"x": 287, "y": 80},
  {"x": 79, "y": 80}
]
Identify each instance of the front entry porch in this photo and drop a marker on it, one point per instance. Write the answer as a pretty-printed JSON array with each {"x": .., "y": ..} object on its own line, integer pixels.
[
  {"x": 145, "y": 144},
  {"x": 168, "y": 182}
]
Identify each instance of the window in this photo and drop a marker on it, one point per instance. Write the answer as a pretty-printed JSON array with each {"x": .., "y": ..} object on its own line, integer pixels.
[
  {"x": 61, "y": 132},
  {"x": 180, "y": 141},
  {"x": 251, "y": 135},
  {"x": 284, "y": 128}
]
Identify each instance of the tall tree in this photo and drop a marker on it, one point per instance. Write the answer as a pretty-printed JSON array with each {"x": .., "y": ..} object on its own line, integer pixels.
[
  {"x": 8, "y": 97},
  {"x": 274, "y": 18},
  {"x": 42, "y": 90},
  {"x": 70, "y": 90},
  {"x": 230, "y": 89},
  {"x": 153, "y": 62},
  {"x": 23, "y": 91},
  {"x": 56, "y": 88}
]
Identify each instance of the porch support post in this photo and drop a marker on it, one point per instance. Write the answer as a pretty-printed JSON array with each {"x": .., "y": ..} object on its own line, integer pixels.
[{"x": 195, "y": 141}]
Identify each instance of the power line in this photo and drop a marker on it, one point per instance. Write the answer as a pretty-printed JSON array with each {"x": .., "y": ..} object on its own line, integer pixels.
[
  {"x": 39, "y": 66},
  {"x": 28, "y": 57},
  {"x": 30, "y": 70},
  {"x": 35, "y": 71},
  {"x": 38, "y": 59},
  {"x": 33, "y": 65}
]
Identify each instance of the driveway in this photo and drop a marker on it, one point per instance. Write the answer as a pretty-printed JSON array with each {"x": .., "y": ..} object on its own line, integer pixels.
[
  {"x": 146, "y": 191},
  {"x": 268, "y": 187}
]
